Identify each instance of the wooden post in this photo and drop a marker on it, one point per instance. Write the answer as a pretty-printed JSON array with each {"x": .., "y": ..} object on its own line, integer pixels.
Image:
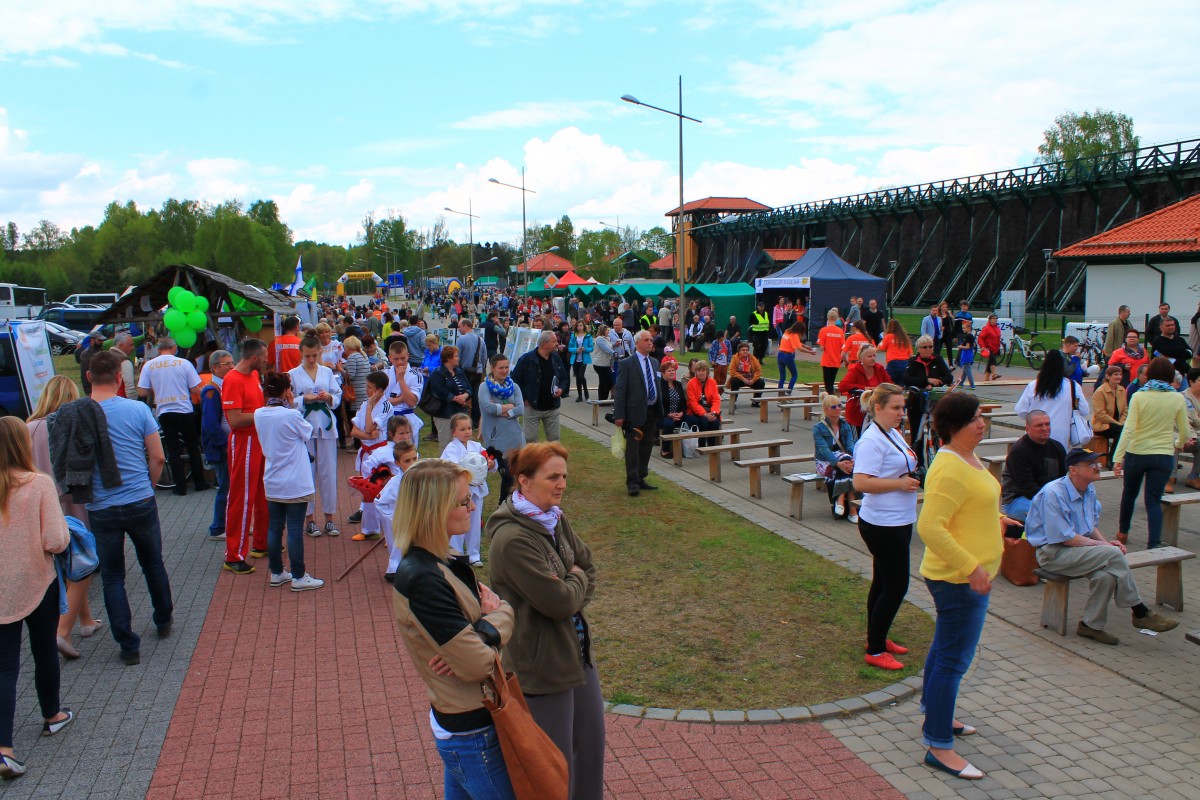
[
  {"x": 756, "y": 482},
  {"x": 1170, "y": 585}
]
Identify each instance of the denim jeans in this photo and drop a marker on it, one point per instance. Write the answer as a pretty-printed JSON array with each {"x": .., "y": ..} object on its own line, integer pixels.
[
  {"x": 1018, "y": 509},
  {"x": 474, "y": 767},
  {"x": 960, "y": 615},
  {"x": 1156, "y": 470},
  {"x": 293, "y": 515},
  {"x": 221, "y": 469},
  {"x": 967, "y": 376},
  {"x": 787, "y": 363},
  {"x": 138, "y": 521}
]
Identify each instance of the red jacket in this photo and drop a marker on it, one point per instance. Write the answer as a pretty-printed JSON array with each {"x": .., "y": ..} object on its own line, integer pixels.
[
  {"x": 693, "y": 397},
  {"x": 989, "y": 338},
  {"x": 857, "y": 378}
]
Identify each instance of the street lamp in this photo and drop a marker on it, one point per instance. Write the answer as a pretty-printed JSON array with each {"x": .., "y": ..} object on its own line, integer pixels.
[
  {"x": 470, "y": 228},
  {"x": 524, "y": 229},
  {"x": 628, "y": 98},
  {"x": 478, "y": 263}
]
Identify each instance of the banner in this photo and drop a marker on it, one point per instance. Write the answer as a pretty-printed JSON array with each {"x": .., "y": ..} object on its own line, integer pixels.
[
  {"x": 781, "y": 283},
  {"x": 35, "y": 365},
  {"x": 520, "y": 341}
]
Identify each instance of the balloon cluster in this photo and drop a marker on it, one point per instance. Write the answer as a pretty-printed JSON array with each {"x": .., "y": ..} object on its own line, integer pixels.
[{"x": 185, "y": 316}]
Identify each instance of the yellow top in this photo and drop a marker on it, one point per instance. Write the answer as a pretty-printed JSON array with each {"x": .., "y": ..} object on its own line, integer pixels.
[
  {"x": 1150, "y": 428},
  {"x": 960, "y": 520}
]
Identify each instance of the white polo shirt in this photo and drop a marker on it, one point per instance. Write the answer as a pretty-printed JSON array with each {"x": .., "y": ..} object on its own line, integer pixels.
[{"x": 172, "y": 379}]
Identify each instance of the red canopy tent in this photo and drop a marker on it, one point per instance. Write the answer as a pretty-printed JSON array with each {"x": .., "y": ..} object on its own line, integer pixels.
[{"x": 570, "y": 278}]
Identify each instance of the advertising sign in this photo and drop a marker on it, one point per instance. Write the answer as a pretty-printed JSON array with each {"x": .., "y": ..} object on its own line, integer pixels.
[{"x": 34, "y": 362}]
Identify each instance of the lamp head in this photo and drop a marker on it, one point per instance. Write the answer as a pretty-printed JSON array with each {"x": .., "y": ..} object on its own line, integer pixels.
[
  {"x": 553, "y": 249},
  {"x": 628, "y": 98},
  {"x": 1046, "y": 253},
  {"x": 492, "y": 180}
]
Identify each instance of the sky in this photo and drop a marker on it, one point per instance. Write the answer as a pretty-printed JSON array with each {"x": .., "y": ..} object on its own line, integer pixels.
[{"x": 335, "y": 108}]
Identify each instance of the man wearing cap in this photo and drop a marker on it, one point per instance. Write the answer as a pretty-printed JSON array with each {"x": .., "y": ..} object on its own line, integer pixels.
[{"x": 1062, "y": 525}]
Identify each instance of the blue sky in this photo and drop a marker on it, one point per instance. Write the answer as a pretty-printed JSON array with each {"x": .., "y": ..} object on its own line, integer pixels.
[{"x": 335, "y": 108}]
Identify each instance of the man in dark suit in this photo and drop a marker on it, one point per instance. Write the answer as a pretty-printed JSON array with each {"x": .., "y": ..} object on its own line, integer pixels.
[{"x": 637, "y": 408}]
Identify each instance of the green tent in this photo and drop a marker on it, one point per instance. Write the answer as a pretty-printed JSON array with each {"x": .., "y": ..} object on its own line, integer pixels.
[
  {"x": 728, "y": 299},
  {"x": 537, "y": 287},
  {"x": 649, "y": 289}
]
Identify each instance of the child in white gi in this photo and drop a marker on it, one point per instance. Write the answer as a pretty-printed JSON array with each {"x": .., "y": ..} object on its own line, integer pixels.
[
  {"x": 398, "y": 430},
  {"x": 457, "y": 450},
  {"x": 405, "y": 455},
  {"x": 370, "y": 428}
]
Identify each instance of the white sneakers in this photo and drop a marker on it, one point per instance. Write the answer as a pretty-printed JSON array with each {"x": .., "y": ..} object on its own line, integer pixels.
[
  {"x": 280, "y": 579},
  {"x": 331, "y": 529},
  {"x": 306, "y": 583},
  {"x": 853, "y": 518}
]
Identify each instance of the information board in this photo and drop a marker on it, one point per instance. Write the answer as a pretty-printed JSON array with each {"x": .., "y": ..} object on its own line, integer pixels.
[{"x": 35, "y": 365}]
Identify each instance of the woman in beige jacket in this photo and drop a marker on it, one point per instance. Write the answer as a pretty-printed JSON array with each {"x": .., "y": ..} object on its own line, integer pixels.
[
  {"x": 31, "y": 529},
  {"x": 1110, "y": 408}
]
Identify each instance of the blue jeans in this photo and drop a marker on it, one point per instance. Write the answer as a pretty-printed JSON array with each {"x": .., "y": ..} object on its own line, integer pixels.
[
  {"x": 293, "y": 515},
  {"x": 221, "y": 469},
  {"x": 967, "y": 377},
  {"x": 474, "y": 767},
  {"x": 1018, "y": 509},
  {"x": 786, "y": 361},
  {"x": 1156, "y": 470},
  {"x": 138, "y": 521},
  {"x": 960, "y": 615}
]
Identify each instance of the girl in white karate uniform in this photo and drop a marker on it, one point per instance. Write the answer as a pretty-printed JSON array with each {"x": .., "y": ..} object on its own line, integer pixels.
[
  {"x": 405, "y": 455},
  {"x": 318, "y": 394},
  {"x": 457, "y": 450},
  {"x": 398, "y": 430},
  {"x": 370, "y": 428}
]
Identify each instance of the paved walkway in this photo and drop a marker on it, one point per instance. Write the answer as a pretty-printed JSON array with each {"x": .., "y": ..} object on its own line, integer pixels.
[{"x": 267, "y": 693}]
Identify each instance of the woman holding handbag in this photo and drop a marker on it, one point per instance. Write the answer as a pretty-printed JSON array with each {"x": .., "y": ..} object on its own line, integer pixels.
[
  {"x": 833, "y": 441},
  {"x": 59, "y": 391},
  {"x": 31, "y": 529},
  {"x": 452, "y": 626},
  {"x": 545, "y": 570}
]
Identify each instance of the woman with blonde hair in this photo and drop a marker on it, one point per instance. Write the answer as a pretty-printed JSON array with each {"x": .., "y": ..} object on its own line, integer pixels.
[
  {"x": 354, "y": 372},
  {"x": 452, "y": 626},
  {"x": 31, "y": 529},
  {"x": 59, "y": 391},
  {"x": 833, "y": 441}
]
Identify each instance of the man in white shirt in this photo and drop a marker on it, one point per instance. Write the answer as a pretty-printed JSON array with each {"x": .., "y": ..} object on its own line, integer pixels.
[{"x": 175, "y": 387}]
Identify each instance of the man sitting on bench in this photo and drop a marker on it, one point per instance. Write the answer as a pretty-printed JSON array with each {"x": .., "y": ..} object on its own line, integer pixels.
[
  {"x": 1062, "y": 525},
  {"x": 1033, "y": 462}
]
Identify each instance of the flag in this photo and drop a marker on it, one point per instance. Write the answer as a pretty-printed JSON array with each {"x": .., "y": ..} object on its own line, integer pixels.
[
  {"x": 298, "y": 282},
  {"x": 311, "y": 287}
]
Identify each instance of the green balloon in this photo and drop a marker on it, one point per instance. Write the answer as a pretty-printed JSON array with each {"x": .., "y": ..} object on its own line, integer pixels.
[
  {"x": 185, "y": 337},
  {"x": 173, "y": 294},
  {"x": 252, "y": 324},
  {"x": 185, "y": 301},
  {"x": 175, "y": 320},
  {"x": 196, "y": 320},
  {"x": 202, "y": 303}
]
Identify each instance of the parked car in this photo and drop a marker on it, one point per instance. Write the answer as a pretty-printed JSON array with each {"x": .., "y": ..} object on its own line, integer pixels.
[
  {"x": 63, "y": 340},
  {"x": 76, "y": 319},
  {"x": 96, "y": 300}
]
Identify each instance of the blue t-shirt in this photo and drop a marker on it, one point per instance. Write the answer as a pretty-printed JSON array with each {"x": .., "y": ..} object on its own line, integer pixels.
[{"x": 129, "y": 423}]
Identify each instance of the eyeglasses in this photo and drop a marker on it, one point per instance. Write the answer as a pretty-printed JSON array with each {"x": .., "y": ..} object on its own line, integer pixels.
[
  {"x": 834, "y": 405},
  {"x": 925, "y": 347},
  {"x": 468, "y": 503}
]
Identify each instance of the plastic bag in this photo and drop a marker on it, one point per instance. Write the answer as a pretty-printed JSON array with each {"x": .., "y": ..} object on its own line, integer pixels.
[
  {"x": 690, "y": 445},
  {"x": 618, "y": 444}
]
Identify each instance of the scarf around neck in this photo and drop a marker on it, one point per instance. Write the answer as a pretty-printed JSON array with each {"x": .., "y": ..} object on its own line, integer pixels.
[
  {"x": 501, "y": 391},
  {"x": 547, "y": 519},
  {"x": 1157, "y": 386}
]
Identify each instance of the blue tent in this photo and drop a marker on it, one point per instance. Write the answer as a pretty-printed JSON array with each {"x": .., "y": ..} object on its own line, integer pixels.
[{"x": 829, "y": 281}]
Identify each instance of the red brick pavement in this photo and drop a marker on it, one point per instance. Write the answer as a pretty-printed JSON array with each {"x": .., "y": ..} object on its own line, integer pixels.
[{"x": 311, "y": 695}]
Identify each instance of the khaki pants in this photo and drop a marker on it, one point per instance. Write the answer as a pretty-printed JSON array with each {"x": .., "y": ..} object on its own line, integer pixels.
[{"x": 1109, "y": 577}]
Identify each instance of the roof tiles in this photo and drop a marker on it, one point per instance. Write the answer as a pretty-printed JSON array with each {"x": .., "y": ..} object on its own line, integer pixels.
[{"x": 1174, "y": 229}]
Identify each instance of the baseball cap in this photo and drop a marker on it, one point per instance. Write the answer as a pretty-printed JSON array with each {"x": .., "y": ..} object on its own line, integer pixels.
[{"x": 1081, "y": 455}]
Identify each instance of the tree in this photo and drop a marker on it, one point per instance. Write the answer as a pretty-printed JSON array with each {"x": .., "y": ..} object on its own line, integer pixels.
[
  {"x": 1086, "y": 135},
  {"x": 10, "y": 237},
  {"x": 45, "y": 237},
  {"x": 178, "y": 221}
]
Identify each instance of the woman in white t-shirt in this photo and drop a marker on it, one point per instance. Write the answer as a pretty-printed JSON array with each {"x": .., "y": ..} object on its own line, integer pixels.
[
  {"x": 287, "y": 479},
  {"x": 884, "y": 471},
  {"x": 1056, "y": 394}
]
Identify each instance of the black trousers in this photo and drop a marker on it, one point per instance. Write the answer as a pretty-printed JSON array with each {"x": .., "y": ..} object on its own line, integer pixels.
[
  {"x": 758, "y": 340},
  {"x": 580, "y": 370},
  {"x": 179, "y": 434},
  {"x": 638, "y": 451},
  {"x": 704, "y": 425},
  {"x": 43, "y": 644},
  {"x": 889, "y": 578},
  {"x": 604, "y": 383},
  {"x": 830, "y": 376}
]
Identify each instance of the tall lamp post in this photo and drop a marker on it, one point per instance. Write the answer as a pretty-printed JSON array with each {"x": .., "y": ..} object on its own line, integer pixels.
[
  {"x": 628, "y": 98},
  {"x": 470, "y": 231},
  {"x": 524, "y": 229}
]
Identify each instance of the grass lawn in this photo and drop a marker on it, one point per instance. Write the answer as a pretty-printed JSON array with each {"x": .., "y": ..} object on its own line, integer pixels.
[{"x": 697, "y": 608}]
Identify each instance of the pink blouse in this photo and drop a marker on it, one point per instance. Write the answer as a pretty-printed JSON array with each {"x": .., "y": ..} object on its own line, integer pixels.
[{"x": 31, "y": 528}]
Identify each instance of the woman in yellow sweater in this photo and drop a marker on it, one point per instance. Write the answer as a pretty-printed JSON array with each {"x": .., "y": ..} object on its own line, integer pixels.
[
  {"x": 1156, "y": 427},
  {"x": 960, "y": 524}
]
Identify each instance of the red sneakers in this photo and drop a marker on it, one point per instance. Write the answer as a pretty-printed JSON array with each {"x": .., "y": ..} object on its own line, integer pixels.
[
  {"x": 883, "y": 661},
  {"x": 896, "y": 649}
]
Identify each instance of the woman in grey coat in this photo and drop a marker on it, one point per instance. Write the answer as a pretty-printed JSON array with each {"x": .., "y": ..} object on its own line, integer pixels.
[
  {"x": 500, "y": 405},
  {"x": 602, "y": 357}
]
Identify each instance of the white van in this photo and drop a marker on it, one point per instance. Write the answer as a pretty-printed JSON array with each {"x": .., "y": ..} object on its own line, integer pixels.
[{"x": 103, "y": 300}]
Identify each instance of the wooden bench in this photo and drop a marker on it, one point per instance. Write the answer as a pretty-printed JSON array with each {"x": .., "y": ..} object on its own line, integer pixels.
[
  {"x": 1193, "y": 636},
  {"x": 1005, "y": 440},
  {"x": 676, "y": 439},
  {"x": 755, "y": 466},
  {"x": 992, "y": 416},
  {"x": 1172, "y": 504},
  {"x": 746, "y": 392},
  {"x": 1169, "y": 589},
  {"x": 714, "y": 452},
  {"x": 786, "y": 410},
  {"x": 764, "y": 403},
  {"x": 595, "y": 404},
  {"x": 797, "y": 481}
]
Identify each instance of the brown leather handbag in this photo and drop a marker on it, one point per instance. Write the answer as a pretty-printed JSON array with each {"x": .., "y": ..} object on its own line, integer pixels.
[
  {"x": 1018, "y": 562},
  {"x": 536, "y": 767}
]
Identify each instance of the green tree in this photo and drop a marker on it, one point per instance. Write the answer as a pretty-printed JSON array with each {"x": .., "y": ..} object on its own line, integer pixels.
[
  {"x": 231, "y": 243},
  {"x": 266, "y": 214},
  {"x": 178, "y": 221},
  {"x": 44, "y": 238},
  {"x": 1085, "y": 135},
  {"x": 10, "y": 237},
  {"x": 126, "y": 248},
  {"x": 563, "y": 235}
]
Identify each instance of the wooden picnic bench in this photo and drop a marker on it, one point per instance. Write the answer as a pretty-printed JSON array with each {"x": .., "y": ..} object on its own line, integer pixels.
[
  {"x": 992, "y": 416},
  {"x": 797, "y": 481},
  {"x": 755, "y": 466},
  {"x": 1172, "y": 505},
  {"x": 754, "y": 394},
  {"x": 995, "y": 465},
  {"x": 714, "y": 451},
  {"x": 596, "y": 404},
  {"x": 764, "y": 403},
  {"x": 786, "y": 410},
  {"x": 676, "y": 439},
  {"x": 1169, "y": 589},
  {"x": 1005, "y": 440}
]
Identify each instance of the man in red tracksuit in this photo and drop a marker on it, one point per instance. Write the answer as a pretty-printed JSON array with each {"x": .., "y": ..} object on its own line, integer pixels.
[{"x": 241, "y": 394}]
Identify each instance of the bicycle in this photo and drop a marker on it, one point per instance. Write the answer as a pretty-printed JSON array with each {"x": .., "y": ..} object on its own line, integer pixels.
[
  {"x": 1092, "y": 353},
  {"x": 1034, "y": 352}
]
